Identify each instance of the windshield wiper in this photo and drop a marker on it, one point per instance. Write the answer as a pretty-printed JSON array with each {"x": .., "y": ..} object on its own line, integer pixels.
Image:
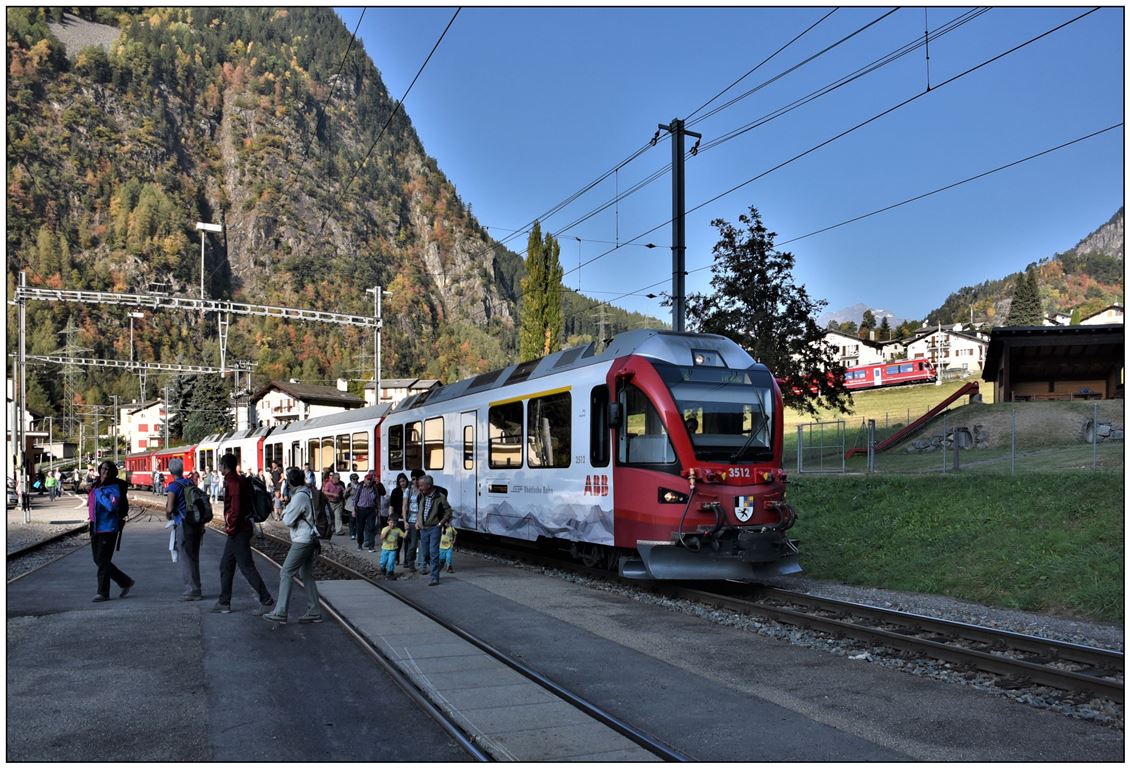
[{"x": 753, "y": 433}]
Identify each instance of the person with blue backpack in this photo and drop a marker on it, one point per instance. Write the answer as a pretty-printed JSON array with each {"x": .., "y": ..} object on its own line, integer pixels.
[
  {"x": 189, "y": 532},
  {"x": 108, "y": 506}
]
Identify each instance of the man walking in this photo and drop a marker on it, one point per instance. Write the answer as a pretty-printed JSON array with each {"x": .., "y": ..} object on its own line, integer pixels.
[
  {"x": 188, "y": 535},
  {"x": 237, "y": 550},
  {"x": 435, "y": 513}
]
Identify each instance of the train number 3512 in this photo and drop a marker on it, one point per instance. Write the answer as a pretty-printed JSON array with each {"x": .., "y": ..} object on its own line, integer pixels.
[{"x": 740, "y": 472}]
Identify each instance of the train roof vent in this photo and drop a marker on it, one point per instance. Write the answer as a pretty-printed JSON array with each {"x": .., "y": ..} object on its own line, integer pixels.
[
  {"x": 590, "y": 350},
  {"x": 568, "y": 357},
  {"x": 523, "y": 371},
  {"x": 423, "y": 396},
  {"x": 483, "y": 379}
]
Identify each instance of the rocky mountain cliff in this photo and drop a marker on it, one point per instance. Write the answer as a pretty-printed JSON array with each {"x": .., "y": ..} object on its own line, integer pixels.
[
  {"x": 1083, "y": 280},
  {"x": 146, "y": 122}
]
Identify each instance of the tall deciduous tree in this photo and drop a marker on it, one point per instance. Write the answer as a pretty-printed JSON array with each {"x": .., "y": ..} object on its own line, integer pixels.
[
  {"x": 755, "y": 302},
  {"x": 540, "y": 309},
  {"x": 1026, "y": 308}
]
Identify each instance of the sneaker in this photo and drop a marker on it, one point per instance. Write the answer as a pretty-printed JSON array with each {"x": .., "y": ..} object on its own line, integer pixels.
[
  {"x": 392, "y": 576},
  {"x": 433, "y": 582},
  {"x": 265, "y": 607},
  {"x": 221, "y": 608},
  {"x": 316, "y": 619},
  {"x": 275, "y": 618},
  {"x": 126, "y": 589},
  {"x": 450, "y": 569},
  {"x": 189, "y": 598},
  {"x": 100, "y": 598},
  {"x": 370, "y": 549}
]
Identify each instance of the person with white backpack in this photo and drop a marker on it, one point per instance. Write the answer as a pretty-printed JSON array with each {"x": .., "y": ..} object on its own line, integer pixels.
[{"x": 304, "y": 548}]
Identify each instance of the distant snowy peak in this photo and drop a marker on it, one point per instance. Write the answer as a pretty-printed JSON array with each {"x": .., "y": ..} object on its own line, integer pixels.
[{"x": 854, "y": 314}]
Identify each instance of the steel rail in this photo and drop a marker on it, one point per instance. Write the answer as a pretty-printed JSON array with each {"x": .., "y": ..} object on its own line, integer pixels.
[
  {"x": 1036, "y": 673},
  {"x": 1058, "y": 649},
  {"x": 402, "y": 680},
  {"x": 988, "y": 662},
  {"x": 633, "y": 734}
]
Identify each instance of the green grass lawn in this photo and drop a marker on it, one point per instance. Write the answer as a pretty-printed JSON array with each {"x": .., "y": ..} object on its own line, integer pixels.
[{"x": 1049, "y": 542}]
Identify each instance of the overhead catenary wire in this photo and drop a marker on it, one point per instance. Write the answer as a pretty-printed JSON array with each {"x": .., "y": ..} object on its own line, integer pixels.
[
  {"x": 850, "y": 130},
  {"x": 760, "y": 64},
  {"x": 907, "y": 201},
  {"x": 780, "y": 112}
]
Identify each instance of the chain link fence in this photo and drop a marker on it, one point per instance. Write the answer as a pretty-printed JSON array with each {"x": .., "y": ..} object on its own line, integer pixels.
[{"x": 1006, "y": 438}]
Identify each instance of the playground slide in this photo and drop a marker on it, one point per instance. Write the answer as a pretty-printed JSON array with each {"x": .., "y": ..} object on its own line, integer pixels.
[{"x": 970, "y": 388}]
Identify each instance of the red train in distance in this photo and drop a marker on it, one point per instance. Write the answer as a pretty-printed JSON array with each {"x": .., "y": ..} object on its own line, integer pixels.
[
  {"x": 140, "y": 466},
  {"x": 890, "y": 373}
]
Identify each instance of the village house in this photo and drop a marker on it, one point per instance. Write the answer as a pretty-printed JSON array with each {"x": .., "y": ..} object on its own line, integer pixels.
[
  {"x": 395, "y": 390},
  {"x": 142, "y": 425},
  {"x": 1105, "y": 316},
  {"x": 956, "y": 351},
  {"x": 279, "y": 402},
  {"x": 851, "y": 351}
]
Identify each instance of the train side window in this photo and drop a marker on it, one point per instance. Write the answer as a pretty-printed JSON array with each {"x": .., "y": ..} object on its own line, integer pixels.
[
  {"x": 413, "y": 446},
  {"x": 343, "y": 454},
  {"x": 396, "y": 447},
  {"x": 550, "y": 421},
  {"x": 327, "y": 455},
  {"x": 313, "y": 454},
  {"x": 468, "y": 447},
  {"x": 360, "y": 451},
  {"x": 599, "y": 448},
  {"x": 504, "y": 441},
  {"x": 433, "y": 443},
  {"x": 642, "y": 438}
]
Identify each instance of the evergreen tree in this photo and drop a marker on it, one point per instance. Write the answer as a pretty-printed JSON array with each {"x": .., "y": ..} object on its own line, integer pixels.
[
  {"x": 754, "y": 301},
  {"x": 867, "y": 324},
  {"x": 885, "y": 329},
  {"x": 1025, "y": 308},
  {"x": 209, "y": 409},
  {"x": 540, "y": 311}
]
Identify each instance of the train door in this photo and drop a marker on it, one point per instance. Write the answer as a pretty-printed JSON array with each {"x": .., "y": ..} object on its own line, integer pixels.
[
  {"x": 878, "y": 375},
  {"x": 468, "y": 470}
]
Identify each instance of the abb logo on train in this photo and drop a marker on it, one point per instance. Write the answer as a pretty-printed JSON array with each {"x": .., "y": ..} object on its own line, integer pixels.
[{"x": 596, "y": 485}]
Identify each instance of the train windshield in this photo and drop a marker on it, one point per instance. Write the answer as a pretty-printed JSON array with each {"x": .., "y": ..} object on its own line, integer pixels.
[{"x": 728, "y": 413}]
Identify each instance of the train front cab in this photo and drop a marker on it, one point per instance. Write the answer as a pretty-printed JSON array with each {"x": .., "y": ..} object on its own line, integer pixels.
[{"x": 699, "y": 491}]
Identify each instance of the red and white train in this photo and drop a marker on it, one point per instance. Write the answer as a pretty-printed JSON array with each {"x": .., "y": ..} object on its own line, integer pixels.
[
  {"x": 893, "y": 372},
  {"x": 658, "y": 456}
]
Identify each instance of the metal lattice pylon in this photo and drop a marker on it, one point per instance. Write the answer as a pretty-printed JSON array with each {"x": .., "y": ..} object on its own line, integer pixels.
[{"x": 71, "y": 374}]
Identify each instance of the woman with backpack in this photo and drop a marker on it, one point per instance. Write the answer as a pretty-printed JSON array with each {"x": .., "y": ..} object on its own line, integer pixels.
[
  {"x": 108, "y": 506},
  {"x": 304, "y": 546}
]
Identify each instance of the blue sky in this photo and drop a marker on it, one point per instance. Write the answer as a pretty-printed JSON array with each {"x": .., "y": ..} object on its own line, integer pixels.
[{"x": 522, "y": 107}]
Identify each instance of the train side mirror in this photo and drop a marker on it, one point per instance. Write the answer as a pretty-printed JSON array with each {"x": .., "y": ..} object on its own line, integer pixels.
[{"x": 614, "y": 415}]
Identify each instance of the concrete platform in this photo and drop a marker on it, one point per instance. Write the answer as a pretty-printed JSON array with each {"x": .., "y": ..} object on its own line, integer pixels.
[
  {"x": 147, "y": 678},
  {"x": 511, "y": 717}
]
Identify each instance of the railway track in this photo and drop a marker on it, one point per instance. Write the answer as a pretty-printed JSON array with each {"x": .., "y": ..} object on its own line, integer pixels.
[
  {"x": 275, "y": 549},
  {"x": 1017, "y": 660},
  {"x": 36, "y": 555}
]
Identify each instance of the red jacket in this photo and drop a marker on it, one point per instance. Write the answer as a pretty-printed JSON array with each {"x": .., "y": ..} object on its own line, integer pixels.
[{"x": 235, "y": 506}]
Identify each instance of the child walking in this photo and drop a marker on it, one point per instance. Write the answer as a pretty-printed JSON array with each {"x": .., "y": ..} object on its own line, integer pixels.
[
  {"x": 390, "y": 543},
  {"x": 447, "y": 547}
]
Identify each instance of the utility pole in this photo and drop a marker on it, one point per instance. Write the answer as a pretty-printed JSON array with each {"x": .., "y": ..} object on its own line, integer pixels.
[
  {"x": 21, "y": 406},
  {"x": 165, "y": 422},
  {"x": 678, "y": 132},
  {"x": 117, "y": 427},
  {"x": 378, "y": 293}
]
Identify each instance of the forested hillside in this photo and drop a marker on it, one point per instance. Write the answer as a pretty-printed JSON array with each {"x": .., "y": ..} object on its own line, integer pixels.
[
  {"x": 238, "y": 116},
  {"x": 1085, "y": 279}
]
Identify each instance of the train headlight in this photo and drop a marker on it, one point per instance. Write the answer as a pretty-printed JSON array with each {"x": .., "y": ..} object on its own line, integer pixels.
[{"x": 667, "y": 496}]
